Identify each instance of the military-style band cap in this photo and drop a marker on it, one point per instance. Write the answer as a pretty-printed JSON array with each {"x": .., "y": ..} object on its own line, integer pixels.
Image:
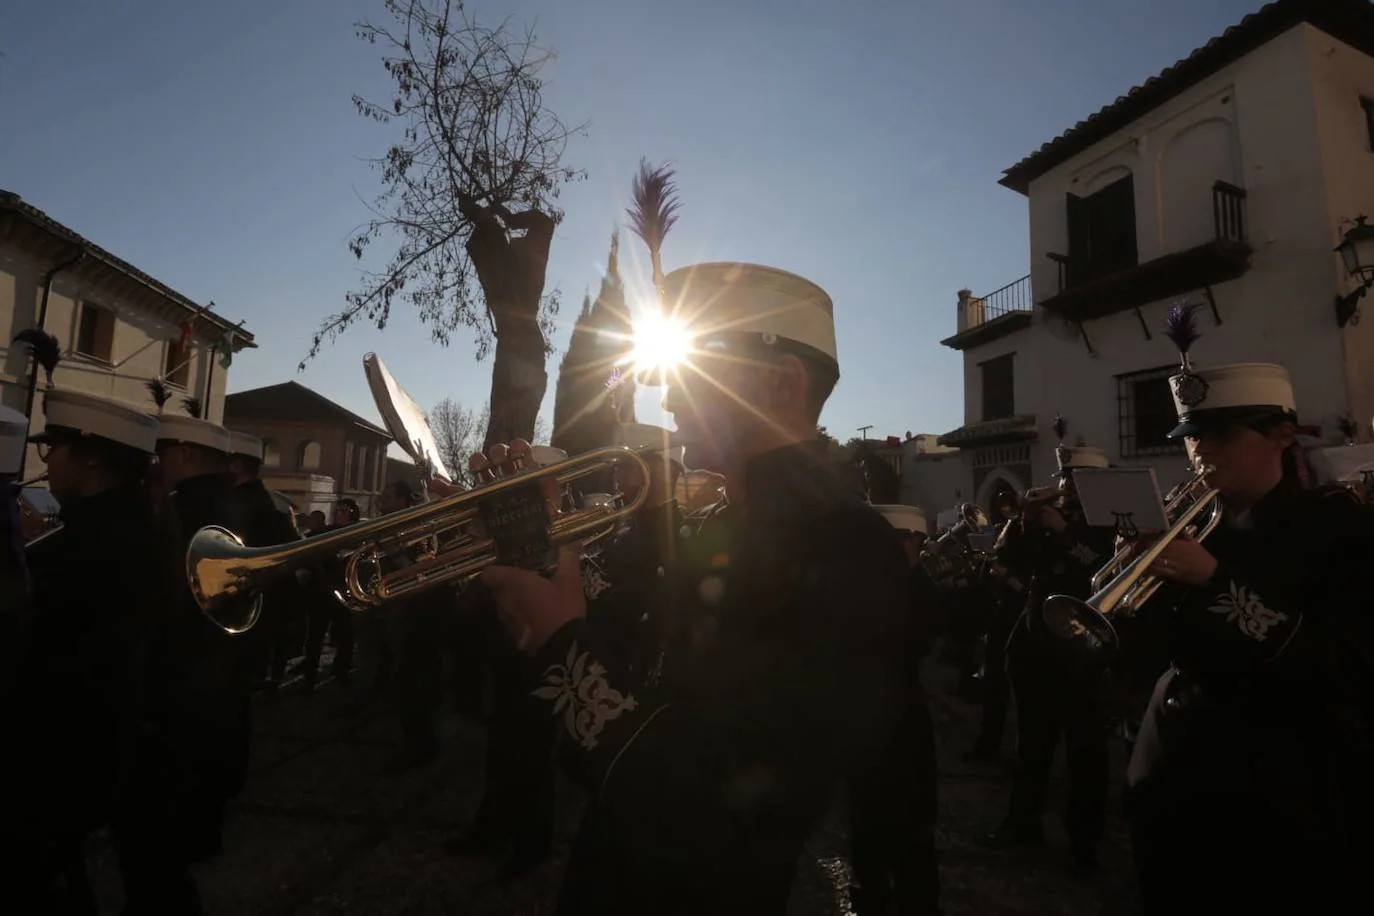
[
  {"x": 909, "y": 519},
  {"x": 1238, "y": 394},
  {"x": 246, "y": 446},
  {"x": 1073, "y": 457},
  {"x": 721, "y": 302},
  {"x": 80, "y": 414},
  {"x": 14, "y": 428},
  {"x": 193, "y": 431}
]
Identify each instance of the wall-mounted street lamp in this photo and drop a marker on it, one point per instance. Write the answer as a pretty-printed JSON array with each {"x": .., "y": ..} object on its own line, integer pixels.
[{"x": 1357, "y": 252}]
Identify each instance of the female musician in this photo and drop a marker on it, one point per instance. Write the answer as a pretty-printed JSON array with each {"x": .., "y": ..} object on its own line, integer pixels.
[{"x": 1247, "y": 781}]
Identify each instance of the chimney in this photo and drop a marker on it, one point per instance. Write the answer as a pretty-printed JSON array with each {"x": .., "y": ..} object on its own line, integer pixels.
[{"x": 970, "y": 310}]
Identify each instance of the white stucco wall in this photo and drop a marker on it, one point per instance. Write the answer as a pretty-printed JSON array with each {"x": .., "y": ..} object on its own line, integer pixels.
[{"x": 1285, "y": 124}]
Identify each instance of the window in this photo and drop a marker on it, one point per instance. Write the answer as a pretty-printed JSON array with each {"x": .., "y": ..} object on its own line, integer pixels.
[
  {"x": 271, "y": 453},
  {"x": 1367, "y": 106},
  {"x": 999, "y": 387},
  {"x": 95, "y": 332},
  {"x": 308, "y": 456},
  {"x": 1102, "y": 232},
  {"x": 1146, "y": 413},
  {"x": 176, "y": 368}
]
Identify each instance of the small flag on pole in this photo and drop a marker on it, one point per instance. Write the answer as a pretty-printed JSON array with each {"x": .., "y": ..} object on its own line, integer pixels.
[{"x": 225, "y": 348}]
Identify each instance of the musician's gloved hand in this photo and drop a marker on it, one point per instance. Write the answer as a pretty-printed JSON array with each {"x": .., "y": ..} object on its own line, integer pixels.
[
  {"x": 533, "y": 607},
  {"x": 503, "y": 460},
  {"x": 1185, "y": 561}
]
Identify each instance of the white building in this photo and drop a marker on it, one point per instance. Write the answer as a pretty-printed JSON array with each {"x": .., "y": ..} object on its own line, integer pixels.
[
  {"x": 117, "y": 327},
  {"x": 1225, "y": 181}
]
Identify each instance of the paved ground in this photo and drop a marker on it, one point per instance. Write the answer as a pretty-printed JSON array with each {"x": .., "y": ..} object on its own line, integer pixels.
[{"x": 322, "y": 830}]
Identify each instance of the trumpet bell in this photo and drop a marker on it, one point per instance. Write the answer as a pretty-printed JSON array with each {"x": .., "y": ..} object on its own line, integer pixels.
[
  {"x": 1086, "y": 633},
  {"x": 218, "y": 586}
]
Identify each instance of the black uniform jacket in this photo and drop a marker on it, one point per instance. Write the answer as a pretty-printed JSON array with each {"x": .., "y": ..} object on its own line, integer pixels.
[
  {"x": 96, "y": 585},
  {"x": 1273, "y": 679},
  {"x": 781, "y": 665},
  {"x": 1062, "y": 563}
]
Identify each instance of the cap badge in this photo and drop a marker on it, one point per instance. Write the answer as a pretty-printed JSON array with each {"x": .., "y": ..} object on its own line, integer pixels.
[{"x": 1189, "y": 389}]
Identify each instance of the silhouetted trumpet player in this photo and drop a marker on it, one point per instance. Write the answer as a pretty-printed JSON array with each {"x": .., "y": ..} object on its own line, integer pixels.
[
  {"x": 1057, "y": 700},
  {"x": 1249, "y": 781}
]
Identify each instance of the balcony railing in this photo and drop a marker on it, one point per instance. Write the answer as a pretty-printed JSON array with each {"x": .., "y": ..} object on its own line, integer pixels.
[
  {"x": 985, "y": 318},
  {"x": 1014, "y": 297},
  {"x": 1083, "y": 294}
]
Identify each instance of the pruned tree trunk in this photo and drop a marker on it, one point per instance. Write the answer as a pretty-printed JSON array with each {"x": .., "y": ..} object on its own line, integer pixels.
[
  {"x": 511, "y": 270},
  {"x": 518, "y": 379}
]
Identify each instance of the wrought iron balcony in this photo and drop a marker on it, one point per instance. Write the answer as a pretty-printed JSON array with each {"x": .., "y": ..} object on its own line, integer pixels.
[
  {"x": 986, "y": 318},
  {"x": 1086, "y": 292}
]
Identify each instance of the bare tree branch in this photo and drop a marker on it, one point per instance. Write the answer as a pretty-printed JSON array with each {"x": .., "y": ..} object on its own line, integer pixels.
[{"x": 470, "y": 187}]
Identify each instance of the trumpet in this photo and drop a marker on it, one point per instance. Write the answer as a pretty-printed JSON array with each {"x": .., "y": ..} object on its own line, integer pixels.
[
  {"x": 1124, "y": 584},
  {"x": 222, "y": 571},
  {"x": 939, "y": 555}
]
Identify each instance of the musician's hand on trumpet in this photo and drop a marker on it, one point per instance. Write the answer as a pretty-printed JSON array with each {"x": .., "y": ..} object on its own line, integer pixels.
[
  {"x": 532, "y": 607},
  {"x": 1185, "y": 561}
]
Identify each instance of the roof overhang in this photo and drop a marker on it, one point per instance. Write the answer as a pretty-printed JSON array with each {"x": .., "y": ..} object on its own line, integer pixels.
[
  {"x": 15, "y": 214},
  {"x": 1350, "y": 21}
]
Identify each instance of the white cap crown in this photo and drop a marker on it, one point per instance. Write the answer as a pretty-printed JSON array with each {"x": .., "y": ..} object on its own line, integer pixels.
[
  {"x": 101, "y": 417},
  {"x": 194, "y": 431},
  {"x": 1072, "y": 457},
  {"x": 905, "y": 518},
  {"x": 733, "y": 298},
  {"x": 1238, "y": 385},
  {"x": 14, "y": 430},
  {"x": 246, "y": 445}
]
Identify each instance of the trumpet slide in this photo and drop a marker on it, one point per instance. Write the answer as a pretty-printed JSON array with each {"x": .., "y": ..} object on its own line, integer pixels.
[
  {"x": 1125, "y": 583},
  {"x": 515, "y": 528}
]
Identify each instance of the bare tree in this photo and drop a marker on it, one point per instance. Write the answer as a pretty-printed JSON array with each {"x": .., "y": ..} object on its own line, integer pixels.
[
  {"x": 468, "y": 193},
  {"x": 458, "y": 434}
]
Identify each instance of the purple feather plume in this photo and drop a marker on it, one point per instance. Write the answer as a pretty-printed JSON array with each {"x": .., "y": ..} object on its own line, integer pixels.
[
  {"x": 1180, "y": 327},
  {"x": 44, "y": 347},
  {"x": 193, "y": 408},
  {"x": 1347, "y": 426},
  {"x": 655, "y": 210},
  {"x": 1060, "y": 426}
]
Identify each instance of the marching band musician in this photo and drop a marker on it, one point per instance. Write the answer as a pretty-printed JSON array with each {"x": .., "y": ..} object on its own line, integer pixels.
[
  {"x": 1055, "y": 701},
  {"x": 78, "y": 702},
  {"x": 893, "y": 802},
  {"x": 1249, "y": 783},
  {"x": 267, "y": 526},
  {"x": 209, "y": 672},
  {"x": 15, "y": 605},
  {"x": 1010, "y": 574},
  {"x": 782, "y": 658}
]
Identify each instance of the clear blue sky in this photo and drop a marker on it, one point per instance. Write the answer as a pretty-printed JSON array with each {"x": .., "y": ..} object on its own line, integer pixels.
[{"x": 213, "y": 145}]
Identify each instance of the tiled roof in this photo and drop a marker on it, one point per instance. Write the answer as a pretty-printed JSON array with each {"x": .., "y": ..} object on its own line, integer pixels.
[
  {"x": 1022, "y": 426},
  {"x": 11, "y": 202},
  {"x": 290, "y": 402},
  {"x": 1351, "y": 21}
]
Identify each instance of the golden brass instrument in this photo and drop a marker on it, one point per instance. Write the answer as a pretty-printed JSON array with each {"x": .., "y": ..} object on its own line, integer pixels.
[
  {"x": 222, "y": 571},
  {"x": 1125, "y": 583},
  {"x": 1184, "y": 494},
  {"x": 27, "y": 511},
  {"x": 951, "y": 553}
]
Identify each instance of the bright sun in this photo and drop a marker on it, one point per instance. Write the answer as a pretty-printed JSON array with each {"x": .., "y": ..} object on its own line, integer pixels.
[{"x": 659, "y": 343}]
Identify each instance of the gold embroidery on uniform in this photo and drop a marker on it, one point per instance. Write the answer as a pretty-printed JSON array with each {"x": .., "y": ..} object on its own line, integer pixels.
[
  {"x": 579, "y": 691},
  {"x": 1248, "y": 612}
]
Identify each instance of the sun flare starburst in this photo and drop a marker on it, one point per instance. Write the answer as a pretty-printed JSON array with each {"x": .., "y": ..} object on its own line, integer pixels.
[{"x": 659, "y": 343}]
